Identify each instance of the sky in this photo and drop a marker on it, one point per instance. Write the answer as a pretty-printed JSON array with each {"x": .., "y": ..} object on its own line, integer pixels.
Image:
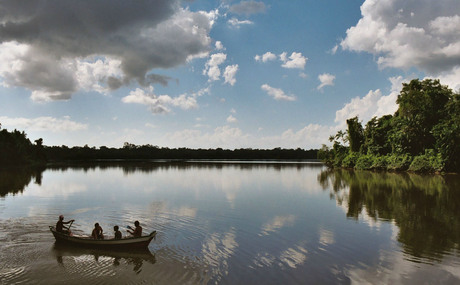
[{"x": 209, "y": 74}]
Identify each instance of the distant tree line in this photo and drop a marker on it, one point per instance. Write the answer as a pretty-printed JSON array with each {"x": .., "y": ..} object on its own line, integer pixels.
[
  {"x": 17, "y": 150},
  {"x": 422, "y": 136},
  {"x": 132, "y": 151}
]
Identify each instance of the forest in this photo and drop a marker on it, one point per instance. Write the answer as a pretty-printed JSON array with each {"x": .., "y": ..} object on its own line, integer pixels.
[
  {"x": 132, "y": 151},
  {"x": 17, "y": 150},
  {"x": 423, "y": 135}
]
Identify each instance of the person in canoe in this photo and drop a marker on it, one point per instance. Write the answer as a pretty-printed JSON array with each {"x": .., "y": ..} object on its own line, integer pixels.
[
  {"x": 97, "y": 232},
  {"x": 60, "y": 225},
  {"x": 117, "y": 233},
  {"x": 137, "y": 231}
]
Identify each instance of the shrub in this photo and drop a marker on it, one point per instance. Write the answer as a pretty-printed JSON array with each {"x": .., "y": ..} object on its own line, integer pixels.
[
  {"x": 350, "y": 160},
  {"x": 364, "y": 162},
  {"x": 380, "y": 163},
  {"x": 420, "y": 164},
  {"x": 428, "y": 162},
  {"x": 399, "y": 162}
]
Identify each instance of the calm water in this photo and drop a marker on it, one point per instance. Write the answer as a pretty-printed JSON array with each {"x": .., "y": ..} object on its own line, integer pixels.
[{"x": 233, "y": 223}]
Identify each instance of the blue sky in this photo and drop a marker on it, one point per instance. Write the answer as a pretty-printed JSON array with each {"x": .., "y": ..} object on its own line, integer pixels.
[{"x": 207, "y": 74}]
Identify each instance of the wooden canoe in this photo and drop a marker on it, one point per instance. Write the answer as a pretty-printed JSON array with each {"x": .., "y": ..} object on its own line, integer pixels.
[{"x": 129, "y": 242}]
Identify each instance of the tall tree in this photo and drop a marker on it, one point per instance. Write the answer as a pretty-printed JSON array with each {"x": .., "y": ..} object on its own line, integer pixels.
[
  {"x": 421, "y": 107},
  {"x": 447, "y": 134},
  {"x": 355, "y": 134},
  {"x": 376, "y": 135}
]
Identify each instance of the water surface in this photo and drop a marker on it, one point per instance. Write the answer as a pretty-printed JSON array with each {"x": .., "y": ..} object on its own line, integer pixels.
[{"x": 232, "y": 223}]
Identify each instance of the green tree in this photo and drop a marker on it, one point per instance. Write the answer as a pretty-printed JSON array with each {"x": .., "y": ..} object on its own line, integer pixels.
[
  {"x": 447, "y": 135},
  {"x": 421, "y": 107},
  {"x": 355, "y": 134},
  {"x": 376, "y": 138}
]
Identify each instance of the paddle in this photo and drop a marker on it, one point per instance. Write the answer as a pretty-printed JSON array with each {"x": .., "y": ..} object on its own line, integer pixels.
[{"x": 71, "y": 222}]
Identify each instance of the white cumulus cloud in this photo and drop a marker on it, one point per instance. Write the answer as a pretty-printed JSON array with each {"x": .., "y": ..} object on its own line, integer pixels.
[
  {"x": 219, "y": 45},
  {"x": 159, "y": 104},
  {"x": 234, "y": 22},
  {"x": 295, "y": 60},
  {"x": 212, "y": 69},
  {"x": 334, "y": 49},
  {"x": 424, "y": 34},
  {"x": 231, "y": 119},
  {"x": 326, "y": 79},
  {"x": 51, "y": 124},
  {"x": 277, "y": 93},
  {"x": 229, "y": 74},
  {"x": 268, "y": 56},
  {"x": 374, "y": 103}
]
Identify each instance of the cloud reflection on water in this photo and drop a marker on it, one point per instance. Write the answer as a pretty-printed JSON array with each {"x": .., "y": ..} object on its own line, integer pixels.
[
  {"x": 277, "y": 223},
  {"x": 294, "y": 256},
  {"x": 217, "y": 249},
  {"x": 51, "y": 190},
  {"x": 326, "y": 237}
]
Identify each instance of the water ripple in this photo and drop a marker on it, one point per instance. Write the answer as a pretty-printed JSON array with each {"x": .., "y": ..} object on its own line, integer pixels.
[{"x": 11, "y": 275}]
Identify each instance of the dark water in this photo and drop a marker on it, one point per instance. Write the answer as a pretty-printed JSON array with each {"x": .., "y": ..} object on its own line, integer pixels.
[{"x": 233, "y": 223}]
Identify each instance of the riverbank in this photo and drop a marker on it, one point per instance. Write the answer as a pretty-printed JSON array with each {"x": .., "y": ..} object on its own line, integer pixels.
[
  {"x": 426, "y": 163},
  {"x": 422, "y": 136}
]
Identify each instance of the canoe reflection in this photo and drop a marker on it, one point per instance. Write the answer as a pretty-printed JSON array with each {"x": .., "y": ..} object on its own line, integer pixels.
[{"x": 74, "y": 258}]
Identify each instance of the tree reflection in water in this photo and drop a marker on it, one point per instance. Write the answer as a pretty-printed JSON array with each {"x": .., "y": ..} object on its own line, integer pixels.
[
  {"x": 13, "y": 181},
  {"x": 424, "y": 207}
]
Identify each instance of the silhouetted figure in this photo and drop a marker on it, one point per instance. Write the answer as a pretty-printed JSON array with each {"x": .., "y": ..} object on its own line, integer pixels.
[
  {"x": 97, "y": 232},
  {"x": 137, "y": 231},
  {"x": 117, "y": 232},
  {"x": 60, "y": 225}
]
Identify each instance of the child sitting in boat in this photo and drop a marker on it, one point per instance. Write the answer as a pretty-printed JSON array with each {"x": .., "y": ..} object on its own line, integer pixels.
[
  {"x": 97, "y": 232},
  {"x": 117, "y": 232}
]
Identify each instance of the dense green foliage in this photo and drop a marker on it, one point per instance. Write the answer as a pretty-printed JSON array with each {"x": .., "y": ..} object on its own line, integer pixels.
[
  {"x": 355, "y": 134},
  {"x": 17, "y": 150},
  {"x": 422, "y": 136}
]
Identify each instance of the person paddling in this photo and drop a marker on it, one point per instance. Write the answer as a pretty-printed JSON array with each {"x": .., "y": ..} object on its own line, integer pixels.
[
  {"x": 136, "y": 232},
  {"x": 60, "y": 225}
]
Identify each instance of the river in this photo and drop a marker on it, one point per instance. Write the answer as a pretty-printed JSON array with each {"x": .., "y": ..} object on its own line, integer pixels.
[{"x": 232, "y": 222}]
